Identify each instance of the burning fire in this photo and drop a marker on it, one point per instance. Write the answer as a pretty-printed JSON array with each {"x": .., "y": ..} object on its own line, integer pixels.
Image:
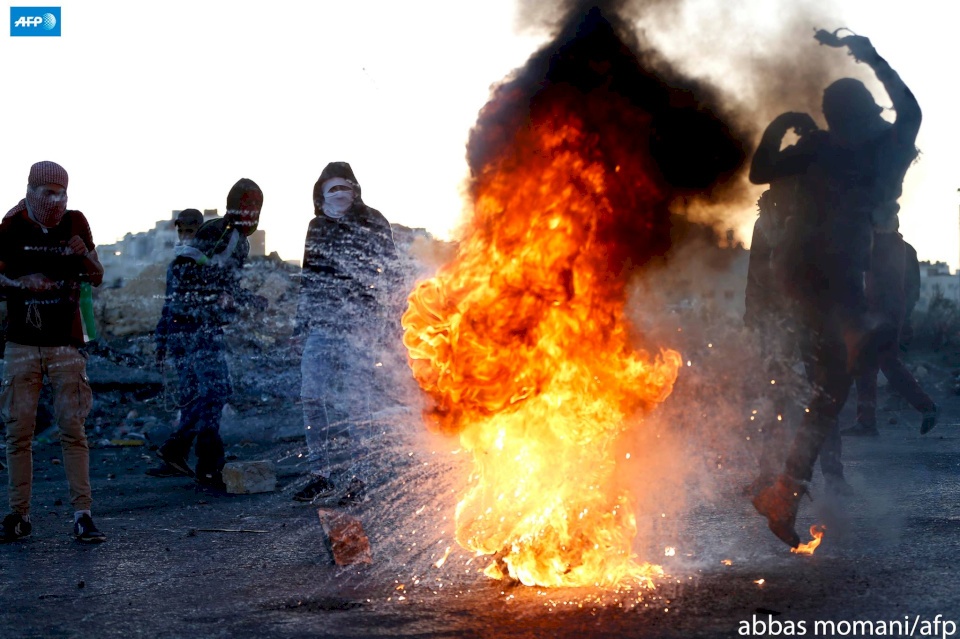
[
  {"x": 522, "y": 345},
  {"x": 816, "y": 531}
]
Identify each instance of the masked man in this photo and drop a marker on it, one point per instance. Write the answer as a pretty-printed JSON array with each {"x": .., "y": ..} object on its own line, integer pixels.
[
  {"x": 203, "y": 291},
  {"x": 46, "y": 252},
  {"x": 349, "y": 254}
]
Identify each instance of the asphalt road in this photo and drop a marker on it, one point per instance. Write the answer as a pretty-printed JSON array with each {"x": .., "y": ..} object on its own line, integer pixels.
[{"x": 890, "y": 555}]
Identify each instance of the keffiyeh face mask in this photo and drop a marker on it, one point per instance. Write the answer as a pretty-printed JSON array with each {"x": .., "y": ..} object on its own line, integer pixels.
[{"x": 47, "y": 204}]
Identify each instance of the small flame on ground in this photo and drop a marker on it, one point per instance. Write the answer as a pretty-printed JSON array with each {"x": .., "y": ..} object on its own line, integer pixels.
[
  {"x": 760, "y": 581},
  {"x": 816, "y": 531}
]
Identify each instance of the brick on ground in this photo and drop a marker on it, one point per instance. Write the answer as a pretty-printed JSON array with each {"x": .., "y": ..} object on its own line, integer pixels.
[{"x": 348, "y": 542}]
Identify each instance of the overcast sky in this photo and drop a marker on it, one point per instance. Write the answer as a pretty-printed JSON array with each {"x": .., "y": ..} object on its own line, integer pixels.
[{"x": 159, "y": 106}]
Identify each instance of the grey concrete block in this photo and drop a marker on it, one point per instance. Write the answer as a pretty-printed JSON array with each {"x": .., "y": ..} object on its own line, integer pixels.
[{"x": 250, "y": 477}]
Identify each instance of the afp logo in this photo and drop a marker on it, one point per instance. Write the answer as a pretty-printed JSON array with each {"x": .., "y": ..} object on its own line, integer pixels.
[{"x": 35, "y": 21}]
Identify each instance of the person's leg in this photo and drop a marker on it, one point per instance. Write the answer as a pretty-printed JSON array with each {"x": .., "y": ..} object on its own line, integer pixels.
[
  {"x": 768, "y": 432},
  {"x": 22, "y": 379},
  {"x": 357, "y": 394},
  {"x": 66, "y": 368},
  {"x": 182, "y": 352},
  {"x": 866, "y": 383},
  {"x": 214, "y": 389},
  {"x": 903, "y": 382},
  {"x": 831, "y": 380},
  {"x": 831, "y": 464},
  {"x": 867, "y": 397},
  {"x": 319, "y": 372}
]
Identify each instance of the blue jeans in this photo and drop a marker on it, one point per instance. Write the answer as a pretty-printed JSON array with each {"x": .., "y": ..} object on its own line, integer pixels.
[
  {"x": 204, "y": 388},
  {"x": 337, "y": 394}
]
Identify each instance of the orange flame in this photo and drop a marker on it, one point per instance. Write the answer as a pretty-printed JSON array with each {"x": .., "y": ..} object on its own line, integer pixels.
[
  {"x": 522, "y": 345},
  {"x": 816, "y": 531}
]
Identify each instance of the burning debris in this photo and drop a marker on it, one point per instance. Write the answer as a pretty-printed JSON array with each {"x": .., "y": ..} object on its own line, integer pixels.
[
  {"x": 816, "y": 531},
  {"x": 521, "y": 341}
]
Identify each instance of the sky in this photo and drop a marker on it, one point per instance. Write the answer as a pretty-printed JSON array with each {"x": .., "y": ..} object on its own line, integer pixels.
[{"x": 153, "y": 107}]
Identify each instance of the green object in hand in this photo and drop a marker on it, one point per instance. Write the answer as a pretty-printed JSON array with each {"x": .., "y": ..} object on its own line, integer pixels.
[{"x": 86, "y": 311}]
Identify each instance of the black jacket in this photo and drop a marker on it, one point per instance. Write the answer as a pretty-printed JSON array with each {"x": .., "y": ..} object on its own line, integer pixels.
[{"x": 198, "y": 280}]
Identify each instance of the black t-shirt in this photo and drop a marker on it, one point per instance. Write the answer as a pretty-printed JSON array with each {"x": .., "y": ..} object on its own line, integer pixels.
[{"x": 47, "y": 318}]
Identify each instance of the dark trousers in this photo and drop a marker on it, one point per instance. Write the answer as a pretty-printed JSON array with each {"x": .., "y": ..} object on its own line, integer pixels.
[
  {"x": 819, "y": 432},
  {"x": 900, "y": 379},
  {"x": 200, "y": 360},
  {"x": 843, "y": 339},
  {"x": 886, "y": 298},
  {"x": 768, "y": 425}
]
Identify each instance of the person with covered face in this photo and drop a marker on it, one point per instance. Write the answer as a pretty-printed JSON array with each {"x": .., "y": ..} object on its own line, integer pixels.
[
  {"x": 203, "y": 291},
  {"x": 850, "y": 176},
  {"x": 342, "y": 314},
  {"x": 46, "y": 252}
]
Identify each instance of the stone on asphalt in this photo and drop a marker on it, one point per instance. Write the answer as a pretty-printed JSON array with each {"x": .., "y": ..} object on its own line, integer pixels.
[{"x": 250, "y": 477}]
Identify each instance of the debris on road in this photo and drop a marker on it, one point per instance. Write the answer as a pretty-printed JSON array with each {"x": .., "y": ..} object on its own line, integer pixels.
[
  {"x": 348, "y": 542},
  {"x": 244, "y": 478}
]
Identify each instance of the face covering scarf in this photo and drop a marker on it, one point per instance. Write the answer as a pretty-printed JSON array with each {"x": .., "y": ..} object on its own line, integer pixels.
[
  {"x": 46, "y": 210},
  {"x": 337, "y": 203}
]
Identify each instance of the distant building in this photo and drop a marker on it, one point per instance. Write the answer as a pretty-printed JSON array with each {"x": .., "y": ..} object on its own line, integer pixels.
[
  {"x": 705, "y": 276},
  {"x": 127, "y": 258},
  {"x": 935, "y": 277}
]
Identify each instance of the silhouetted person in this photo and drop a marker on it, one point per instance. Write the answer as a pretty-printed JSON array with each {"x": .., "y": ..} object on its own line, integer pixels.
[
  {"x": 783, "y": 339},
  {"x": 769, "y": 316},
  {"x": 890, "y": 292},
  {"x": 911, "y": 287},
  {"x": 850, "y": 179}
]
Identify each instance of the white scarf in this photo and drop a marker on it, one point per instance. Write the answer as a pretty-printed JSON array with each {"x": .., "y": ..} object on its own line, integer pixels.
[{"x": 337, "y": 203}]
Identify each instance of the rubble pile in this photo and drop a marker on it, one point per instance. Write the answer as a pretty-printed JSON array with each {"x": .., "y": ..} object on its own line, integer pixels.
[
  {"x": 264, "y": 366},
  {"x": 134, "y": 308}
]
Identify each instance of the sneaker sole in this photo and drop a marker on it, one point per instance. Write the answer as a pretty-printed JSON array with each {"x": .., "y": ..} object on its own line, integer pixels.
[{"x": 95, "y": 540}]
